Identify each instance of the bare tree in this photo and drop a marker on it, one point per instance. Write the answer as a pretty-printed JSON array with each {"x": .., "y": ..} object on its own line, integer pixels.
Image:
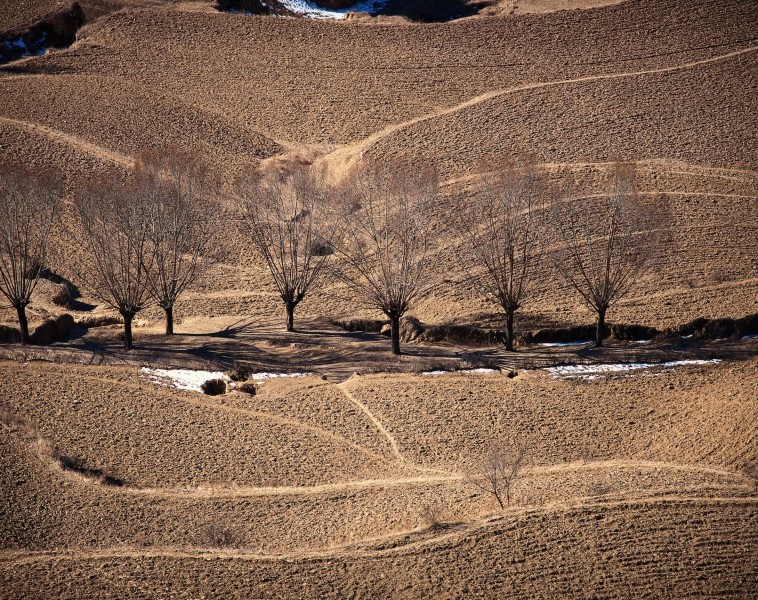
[
  {"x": 182, "y": 211},
  {"x": 28, "y": 208},
  {"x": 501, "y": 235},
  {"x": 115, "y": 221},
  {"x": 498, "y": 470},
  {"x": 288, "y": 220},
  {"x": 608, "y": 242},
  {"x": 388, "y": 237}
]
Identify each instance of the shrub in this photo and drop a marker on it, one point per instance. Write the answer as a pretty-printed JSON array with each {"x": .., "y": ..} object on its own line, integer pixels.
[
  {"x": 498, "y": 470},
  {"x": 214, "y": 387},
  {"x": 64, "y": 295},
  {"x": 431, "y": 515},
  {"x": 215, "y": 535},
  {"x": 248, "y": 388}
]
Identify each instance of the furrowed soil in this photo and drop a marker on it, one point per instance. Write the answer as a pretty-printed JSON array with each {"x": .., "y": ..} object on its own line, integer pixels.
[{"x": 355, "y": 480}]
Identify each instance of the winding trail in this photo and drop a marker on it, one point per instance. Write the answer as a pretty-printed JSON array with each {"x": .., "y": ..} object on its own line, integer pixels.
[
  {"x": 94, "y": 150},
  {"x": 372, "y": 547},
  {"x": 345, "y": 154},
  {"x": 672, "y": 167},
  {"x": 377, "y": 423},
  {"x": 217, "y": 492}
]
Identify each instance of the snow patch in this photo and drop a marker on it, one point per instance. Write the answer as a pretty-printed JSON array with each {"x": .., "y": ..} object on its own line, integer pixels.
[
  {"x": 264, "y": 376},
  {"x": 561, "y": 344},
  {"x": 192, "y": 380},
  {"x": 592, "y": 371},
  {"x": 482, "y": 370},
  {"x": 310, "y": 9},
  {"x": 749, "y": 337},
  {"x": 183, "y": 379}
]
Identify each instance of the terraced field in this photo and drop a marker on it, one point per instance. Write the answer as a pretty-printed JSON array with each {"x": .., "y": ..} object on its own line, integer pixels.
[
  {"x": 639, "y": 458},
  {"x": 355, "y": 479}
]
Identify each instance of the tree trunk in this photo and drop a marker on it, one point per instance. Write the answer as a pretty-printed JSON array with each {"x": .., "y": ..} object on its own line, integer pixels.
[
  {"x": 169, "y": 310},
  {"x": 127, "y": 330},
  {"x": 600, "y": 331},
  {"x": 395, "y": 334},
  {"x": 290, "y": 316},
  {"x": 509, "y": 330},
  {"x": 23, "y": 324}
]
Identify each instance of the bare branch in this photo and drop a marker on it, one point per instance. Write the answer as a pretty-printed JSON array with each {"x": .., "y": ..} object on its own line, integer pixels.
[
  {"x": 607, "y": 243},
  {"x": 288, "y": 220},
  {"x": 387, "y": 240},
  {"x": 115, "y": 221},
  {"x": 180, "y": 200},
  {"x": 501, "y": 245},
  {"x": 28, "y": 209}
]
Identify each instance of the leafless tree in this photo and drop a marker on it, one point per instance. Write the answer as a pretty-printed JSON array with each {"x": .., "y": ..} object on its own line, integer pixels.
[
  {"x": 182, "y": 212},
  {"x": 115, "y": 221},
  {"x": 28, "y": 208},
  {"x": 288, "y": 219},
  {"x": 501, "y": 234},
  {"x": 608, "y": 242},
  {"x": 388, "y": 237},
  {"x": 498, "y": 470}
]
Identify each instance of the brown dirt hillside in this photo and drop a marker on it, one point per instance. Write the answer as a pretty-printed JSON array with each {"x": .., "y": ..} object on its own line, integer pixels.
[
  {"x": 653, "y": 456},
  {"x": 668, "y": 83},
  {"x": 355, "y": 480}
]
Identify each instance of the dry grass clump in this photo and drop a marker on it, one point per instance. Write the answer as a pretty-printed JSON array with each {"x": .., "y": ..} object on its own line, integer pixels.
[
  {"x": 367, "y": 325},
  {"x": 248, "y": 387},
  {"x": 432, "y": 515},
  {"x": 217, "y": 535},
  {"x": 239, "y": 373},
  {"x": 63, "y": 295},
  {"x": 752, "y": 472}
]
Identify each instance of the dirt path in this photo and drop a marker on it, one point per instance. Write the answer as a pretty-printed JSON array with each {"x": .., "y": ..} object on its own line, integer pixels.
[
  {"x": 364, "y": 548},
  {"x": 92, "y": 149},
  {"x": 377, "y": 423},
  {"x": 343, "y": 157},
  {"x": 672, "y": 167}
]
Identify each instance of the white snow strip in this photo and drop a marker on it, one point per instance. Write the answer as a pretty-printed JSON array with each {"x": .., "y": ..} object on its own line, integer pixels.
[
  {"x": 183, "y": 379},
  {"x": 481, "y": 370},
  {"x": 560, "y": 344},
  {"x": 192, "y": 380},
  {"x": 263, "y": 376},
  {"x": 749, "y": 337},
  {"x": 310, "y": 9},
  {"x": 570, "y": 371}
]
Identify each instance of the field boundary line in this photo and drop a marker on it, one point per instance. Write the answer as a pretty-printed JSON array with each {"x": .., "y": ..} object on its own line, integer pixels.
[
  {"x": 356, "y": 149},
  {"x": 77, "y": 142}
]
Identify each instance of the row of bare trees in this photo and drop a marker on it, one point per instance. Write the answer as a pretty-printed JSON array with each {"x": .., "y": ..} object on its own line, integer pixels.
[
  {"x": 380, "y": 233},
  {"x": 148, "y": 237}
]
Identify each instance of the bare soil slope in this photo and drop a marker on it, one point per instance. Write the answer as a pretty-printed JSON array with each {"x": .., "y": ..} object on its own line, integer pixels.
[
  {"x": 655, "y": 457},
  {"x": 667, "y": 83},
  {"x": 640, "y": 484}
]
